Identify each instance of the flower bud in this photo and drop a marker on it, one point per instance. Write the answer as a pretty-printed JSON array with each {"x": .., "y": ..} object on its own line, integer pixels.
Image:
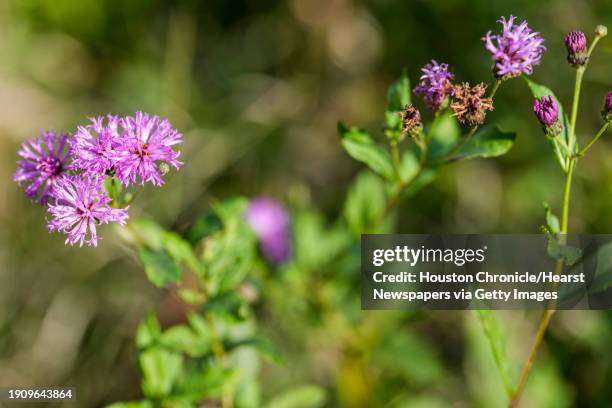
[
  {"x": 577, "y": 53},
  {"x": 601, "y": 30},
  {"x": 606, "y": 113},
  {"x": 411, "y": 121},
  {"x": 547, "y": 112}
]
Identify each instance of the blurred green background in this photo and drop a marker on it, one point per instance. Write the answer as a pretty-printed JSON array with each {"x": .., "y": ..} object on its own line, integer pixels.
[{"x": 257, "y": 88}]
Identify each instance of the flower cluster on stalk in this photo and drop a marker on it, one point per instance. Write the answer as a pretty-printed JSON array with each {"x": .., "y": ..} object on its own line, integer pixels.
[{"x": 67, "y": 173}]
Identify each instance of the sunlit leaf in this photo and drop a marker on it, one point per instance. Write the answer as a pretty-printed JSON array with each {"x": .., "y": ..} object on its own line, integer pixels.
[
  {"x": 160, "y": 369},
  {"x": 489, "y": 141},
  {"x": 304, "y": 396},
  {"x": 360, "y": 146}
]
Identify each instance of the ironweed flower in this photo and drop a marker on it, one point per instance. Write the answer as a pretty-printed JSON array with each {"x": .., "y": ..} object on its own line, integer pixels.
[
  {"x": 576, "y": 44},
  {"x": 44, "y": 160},
  {"x": 270, "y": 222},
  {"x": 470, "y": 105},
  {"x": 516, "y": 50},
  {"x": 78, "y": 204},
  {"x": 547, "y": 112},
  {"x": 435, "y": 85},
  {"x": 411, "y": 121},
  {"x": 94, "y": 146},
  {"x": 145, "y": 143},
  {"x": 607, "y": 110}
]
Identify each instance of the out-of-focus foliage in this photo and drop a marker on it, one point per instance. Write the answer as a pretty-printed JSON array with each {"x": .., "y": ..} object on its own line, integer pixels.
[{"x": 257, "y": 88}]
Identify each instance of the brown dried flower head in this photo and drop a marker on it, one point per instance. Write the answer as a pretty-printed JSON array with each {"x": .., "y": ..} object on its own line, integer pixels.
[
  {"x": 411, "y": 121},
  {"x": 470, "y": 105}
]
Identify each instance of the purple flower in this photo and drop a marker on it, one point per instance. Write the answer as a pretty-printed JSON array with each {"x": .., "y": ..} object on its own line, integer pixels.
[
  {"x": 516, "y": 50},
  {"x": 270, "y": 221},
  {"x": 546, "y": 110},
  {"x": 94, "y": 146},
  {"x": 576, "y": 44},
  {"x": 146, "y": 143},
  {"x": 607, "y": 110},
  {"x": 78, "y": 205},
  {"x": 575, "y": 41},
  {"x": 435, "y": 84},
  {"x": 45, "y": 159}
]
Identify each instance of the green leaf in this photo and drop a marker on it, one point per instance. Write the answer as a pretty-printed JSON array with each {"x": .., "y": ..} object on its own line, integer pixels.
[
  {"x": 183, "y": 339},
  {"x": 360, "y": 146},
  {"x": 205, "y": 225},
  {"x": 398, "y": 95},
  {"x": 497, "y": 342},
  {"x": 148, "y": 331},
  {"x": 160, "y": 370},
  {"x": 229, "y": 256},
  {"x": 304, "y": 396},
  {"x": 160, "y": 268},
  {"x": 445, "y": 133},
  {"x": 569, "y": 254},
  {"x": 552, "y": 221},
  {"x": 365, "y": 203},
  {"x": 489, "y": 141},
  {"x": 538, "y": 91},
  {"x": 181, "y": 251},
  {"x": 205, "y": 382}
]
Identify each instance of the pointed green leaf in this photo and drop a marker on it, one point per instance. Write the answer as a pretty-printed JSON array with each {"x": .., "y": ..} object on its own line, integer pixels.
[
  {"x": 489, "y": 141},
  {"x": 149, "y": 330},
  {"x": 552, "y": 221},
  {"x": 360, "y": 146},
  {"x": 160, "y": 370}
]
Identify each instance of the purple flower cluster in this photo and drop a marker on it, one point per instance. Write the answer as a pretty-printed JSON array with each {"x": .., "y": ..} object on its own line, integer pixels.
[
  {"x": 67, "y": 173},
  {"x": 270, "y": 222},
  {"x": 516, "y": 50},
  {"x": 435, "y": 84}
]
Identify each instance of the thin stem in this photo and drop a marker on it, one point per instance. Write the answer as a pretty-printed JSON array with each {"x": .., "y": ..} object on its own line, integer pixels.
[
  {"x": 548, "y": 313},
  {"x": 594, "y": 139},
  {"x": 575, "y": 102},
  {"x": 395, "y": 155}
]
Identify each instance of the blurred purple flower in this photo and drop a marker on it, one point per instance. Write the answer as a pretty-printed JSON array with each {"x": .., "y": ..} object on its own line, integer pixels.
[
  {"x": 435, "y": 84},
  {"x": 78, "y": 205},
  {"x": 270, "y": 221},
  {"x": 146, "y": 143},
  {"x": 576, "y": 44},
  {"x": 94, "y": 146},
  {"x": 607, "y": 110},
  {"x": 546, "y": 110},
  {"x": 45, "y": 159},
  {"x": 516, "y": 50}
]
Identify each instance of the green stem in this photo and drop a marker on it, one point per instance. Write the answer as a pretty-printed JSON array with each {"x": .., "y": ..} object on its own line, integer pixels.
[
  {"x": 594, "y": 139},
  {"x": 548, "y": 313},
  {"x": 395, "y": 155}
]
